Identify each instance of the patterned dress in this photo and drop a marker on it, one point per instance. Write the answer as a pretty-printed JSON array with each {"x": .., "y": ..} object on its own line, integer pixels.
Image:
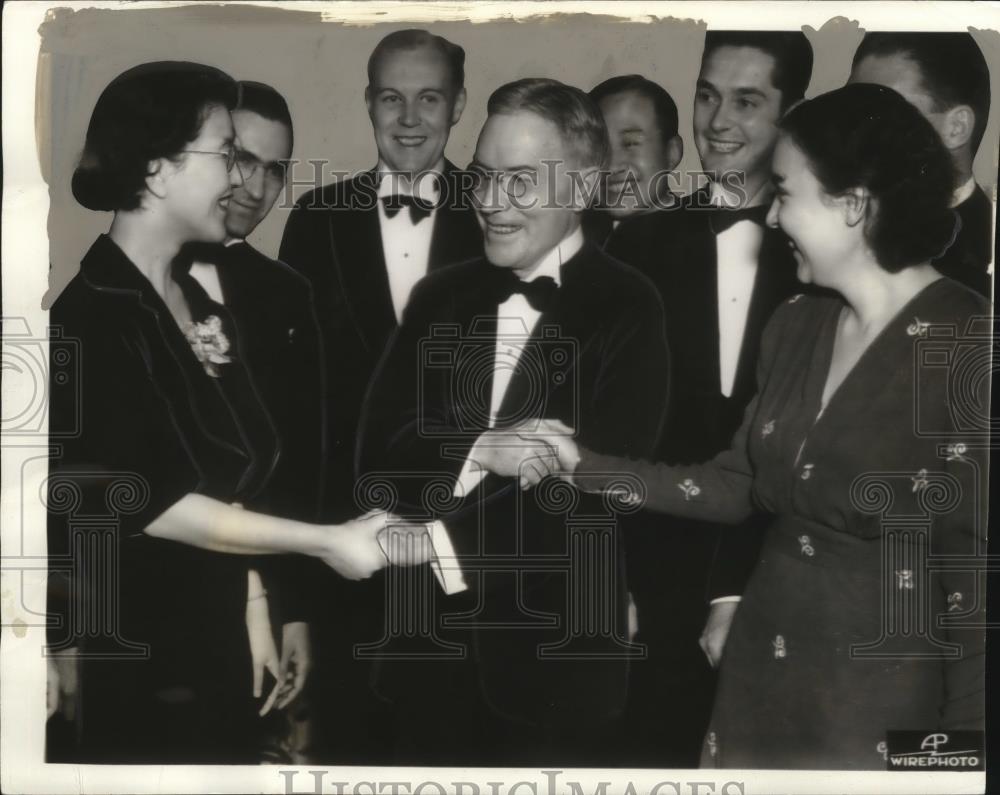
[{"x": 865, "y": 611}]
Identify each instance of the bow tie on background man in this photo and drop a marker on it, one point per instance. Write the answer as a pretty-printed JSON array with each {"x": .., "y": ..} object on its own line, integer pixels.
[
  {"x": 540, "y": 292},
  {"x": 419, "y": 208},
  {"x": 724, "y": 217}
]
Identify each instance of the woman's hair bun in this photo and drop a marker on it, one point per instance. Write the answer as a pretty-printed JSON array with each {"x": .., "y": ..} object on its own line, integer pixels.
[
  {"x": 149, "y": 112},
  {"x": 91, "y": 185}
]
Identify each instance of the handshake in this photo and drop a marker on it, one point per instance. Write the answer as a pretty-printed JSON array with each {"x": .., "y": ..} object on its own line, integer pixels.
[
  {"x": 529, "y": 452},
  {"x": 360, "y": 547}
]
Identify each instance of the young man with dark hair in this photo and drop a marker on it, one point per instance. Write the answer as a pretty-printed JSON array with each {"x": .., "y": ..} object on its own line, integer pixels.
[
  {"x": 720, "y": 272},
  {"x": 945, "y": 76}
]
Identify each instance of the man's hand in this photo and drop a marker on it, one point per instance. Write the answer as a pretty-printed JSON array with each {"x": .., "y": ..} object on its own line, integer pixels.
[
  {"x": 508, "y": 453},
  {"x": 563, "y": 452},
  {"x": 296, "y": 661},
  {"x": 713, "y": 637},
  {"x": 352, "y": 549}
]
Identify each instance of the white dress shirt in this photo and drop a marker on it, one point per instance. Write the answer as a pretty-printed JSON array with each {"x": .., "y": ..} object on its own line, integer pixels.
[
  {"x": 736, "y": 249},
  {"x": 516, "y": 320},
  {"x": 406, "y": 245}
]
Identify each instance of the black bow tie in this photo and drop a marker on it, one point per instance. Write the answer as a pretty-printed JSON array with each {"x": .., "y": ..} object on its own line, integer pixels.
[
  {"x": 540, "y": 292},
  {"x": 724, "y": 217},
  {"x": 419, "y": 208}
]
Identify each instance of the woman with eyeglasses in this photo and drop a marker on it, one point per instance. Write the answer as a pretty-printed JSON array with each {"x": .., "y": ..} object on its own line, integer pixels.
[
  {"x": 167, "y": 439},
  {"x": 867, "y": 441}
]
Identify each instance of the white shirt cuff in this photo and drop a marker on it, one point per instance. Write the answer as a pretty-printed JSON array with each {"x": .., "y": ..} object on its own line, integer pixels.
[
  {"x": 469, "y": 478},
  {"x": 445, "y": 563},
  {"x": 720, "y": 599}
]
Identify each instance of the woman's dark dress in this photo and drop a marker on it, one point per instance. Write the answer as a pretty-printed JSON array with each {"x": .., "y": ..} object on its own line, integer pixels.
[
  {"x": 847, "y": 630},
  {"x": 167, "y": 674}
]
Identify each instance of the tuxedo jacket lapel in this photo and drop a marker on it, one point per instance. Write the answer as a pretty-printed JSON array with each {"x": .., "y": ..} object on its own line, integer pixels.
[
  {"x": 692, "y": 296},
  {"x": 456, "y": 235},
  {"x": 566, "y": 326},
  {"x": 356, "y": 241},
  {"x": 468, "y": 391}
]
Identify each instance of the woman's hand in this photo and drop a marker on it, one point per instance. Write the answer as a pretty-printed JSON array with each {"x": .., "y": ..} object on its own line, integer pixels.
[
  {"x": 716, "y": 631},
  {"x": 263, "y": 652},
  {"x": 296, "y": 661},
  {"x": 352, "y": 549},
  {"x": 61, "y": 683},
  {"x": 51, "y": 688},
  {"x": 558, "y": 437}
]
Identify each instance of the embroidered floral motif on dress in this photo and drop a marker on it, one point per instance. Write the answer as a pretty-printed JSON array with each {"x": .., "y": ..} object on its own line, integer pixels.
[{"x": 209, "y": 343}]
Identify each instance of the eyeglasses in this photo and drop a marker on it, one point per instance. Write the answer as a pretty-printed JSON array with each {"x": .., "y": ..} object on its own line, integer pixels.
[
  {"x": 248, "y": 163},
  {"x": 515, "y": 184},
  {"x": 229, "y": 154}
]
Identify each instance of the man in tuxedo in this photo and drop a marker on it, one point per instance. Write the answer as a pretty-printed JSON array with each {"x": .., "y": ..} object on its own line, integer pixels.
[
  {"x": 945, "y": 76},
  {"x": 278, "y": 335},
  {"x": 641, "y": 118},
  {"x": 546, "y": 326},
  {"x": 720, "y": 272},
  {"x": 363, "y": 243}
]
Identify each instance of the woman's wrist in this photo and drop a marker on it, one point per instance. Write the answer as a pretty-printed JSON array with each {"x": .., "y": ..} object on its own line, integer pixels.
[
  {"x": 594, "y": 472},
  {"x": 322, "y": 538}
]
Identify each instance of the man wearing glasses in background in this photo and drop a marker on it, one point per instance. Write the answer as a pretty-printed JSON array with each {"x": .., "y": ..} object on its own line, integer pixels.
[{"x": 273, "y": 310}]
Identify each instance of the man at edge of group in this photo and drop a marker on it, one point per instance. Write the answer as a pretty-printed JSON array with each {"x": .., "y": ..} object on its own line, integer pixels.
[
  {"x": 945, "y": 76},
  {"x": 720, "y": 273}
]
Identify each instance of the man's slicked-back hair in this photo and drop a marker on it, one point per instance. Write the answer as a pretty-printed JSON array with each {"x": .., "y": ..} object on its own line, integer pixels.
[
  {"x": 414, "y": 38},
  {"x": 952, "y": 69},
  {"x": 265, "y": 101},
  {"x": 575, "y": 114},
  {"x": 791, "y": 51},
  {"x": 663, "y": 104}
]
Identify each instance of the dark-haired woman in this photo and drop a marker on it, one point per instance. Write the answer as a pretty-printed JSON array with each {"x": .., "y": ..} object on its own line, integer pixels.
[
  {"x": 165, "y": 439},
  {"x": 865, "y": 441}
]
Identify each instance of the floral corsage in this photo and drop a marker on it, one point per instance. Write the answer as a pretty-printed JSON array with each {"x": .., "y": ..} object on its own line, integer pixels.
[{"x": 209, "y": 343}]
